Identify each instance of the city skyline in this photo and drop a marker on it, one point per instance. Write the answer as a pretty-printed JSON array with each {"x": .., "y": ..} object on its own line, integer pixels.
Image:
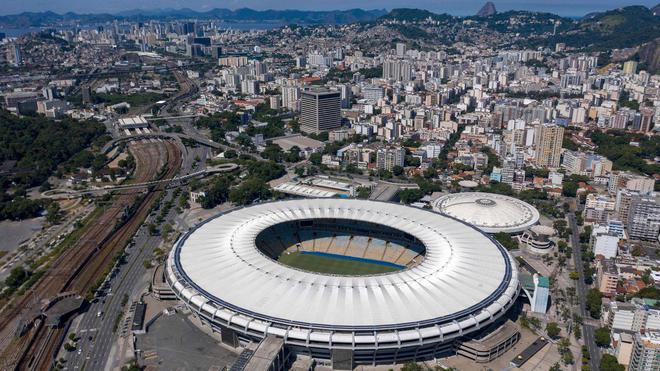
[{"x": 454, "y": 7}]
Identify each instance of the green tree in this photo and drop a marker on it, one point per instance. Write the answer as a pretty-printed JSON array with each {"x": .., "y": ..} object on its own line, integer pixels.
[
  {"x": 602, "y": 337},
  {"x": 408, "y": 196},
  {"x": 594, "y": 302},
  {"x": 609, "y": 363},
  {"x": 54, "y": 213},
  {"x": 250, "y": 190},
  {"x": 293, "y": 155},
  {"x": 315, "y": 158},
  {"x": 17, "y": 276},
  {"x": 266, "y": 170},
  {"x": 217, "y": 193},
  {"x": 272, "y": 152},
  {"x": 363, "y": 192},
  {"x": 577, "y": 332},
  {"x": 230, "y": 153},
  {"x": 552, "y": 329},
  {"x": 506, "y": 240}
]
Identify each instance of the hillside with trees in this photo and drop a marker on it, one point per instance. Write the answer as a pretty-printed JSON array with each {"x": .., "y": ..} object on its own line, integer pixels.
[{"x": 34, "y": 148}]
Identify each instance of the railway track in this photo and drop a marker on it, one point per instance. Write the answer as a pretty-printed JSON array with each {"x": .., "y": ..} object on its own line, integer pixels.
[{"x": 81, "y": 265}]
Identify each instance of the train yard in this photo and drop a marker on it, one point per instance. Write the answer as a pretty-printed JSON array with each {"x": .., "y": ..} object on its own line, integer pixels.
[{"x": 27, "y": 341}]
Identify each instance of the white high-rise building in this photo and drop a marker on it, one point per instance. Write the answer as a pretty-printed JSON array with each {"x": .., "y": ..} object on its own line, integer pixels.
[
  {"x": 646, "y": 352},
  {"x": 401, "y": 49},
  {"x": 388, "y": 158},
  {"x": 291, "y": 97},
  {"x": 549, "y": 139},
  {"x": 346, "y": 95},
  {"x": 397, "y": 70}
]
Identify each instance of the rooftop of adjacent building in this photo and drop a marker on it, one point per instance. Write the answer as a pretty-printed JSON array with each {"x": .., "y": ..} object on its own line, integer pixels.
[{"x": 650, "y": 339}]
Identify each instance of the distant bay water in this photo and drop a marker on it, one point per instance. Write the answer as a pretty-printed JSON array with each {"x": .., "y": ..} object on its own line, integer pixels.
[{"x": 16, "y": 32}]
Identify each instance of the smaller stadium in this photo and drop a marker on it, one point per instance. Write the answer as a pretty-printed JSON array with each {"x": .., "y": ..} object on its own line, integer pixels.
[{"x": 490, "y": 212}]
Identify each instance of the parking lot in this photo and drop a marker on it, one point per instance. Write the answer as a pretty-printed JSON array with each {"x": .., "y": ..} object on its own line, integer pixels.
[{"x": 174, "y": 341}]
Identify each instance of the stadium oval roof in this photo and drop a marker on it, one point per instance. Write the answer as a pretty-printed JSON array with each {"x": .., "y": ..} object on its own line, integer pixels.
[
  {"x": 465, "y": 279},
  {"x": 490, "y": 212}
]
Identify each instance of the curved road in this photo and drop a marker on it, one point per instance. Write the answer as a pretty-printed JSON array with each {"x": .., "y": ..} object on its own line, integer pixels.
[{"x": 66, "y": 193}]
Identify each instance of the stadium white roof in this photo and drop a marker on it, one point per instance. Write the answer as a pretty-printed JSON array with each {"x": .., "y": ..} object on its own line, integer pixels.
[
  {"x": 490, "y": 212},
  {"x": 465, "y": 278},
  {"x": 303, "y": 190}
]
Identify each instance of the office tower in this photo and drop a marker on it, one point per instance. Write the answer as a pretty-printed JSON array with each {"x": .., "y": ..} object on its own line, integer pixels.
[
  {"x": 400, "y": 49},
  {"x": 630, "y": 68},
  {"x": 388, "y": 158},
  {"x": 646, "y": 352},
  {"x": 372, "y": 93},
  {"x": 320, "y": 110},
  {"x": 549, "y": 138},
  {"x": 188, "y": 28}
]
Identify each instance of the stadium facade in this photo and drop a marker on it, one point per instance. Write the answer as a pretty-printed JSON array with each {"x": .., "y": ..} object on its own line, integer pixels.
[
  {"x": 490, "y": 212},
  {"x": 455, "y": 281}
]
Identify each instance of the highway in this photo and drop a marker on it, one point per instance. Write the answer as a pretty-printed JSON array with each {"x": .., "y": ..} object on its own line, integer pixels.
[
  {"x": 66, "y": 193},
  {"x": 587, "y": 329},
  {"x": 95, "y": 353}
]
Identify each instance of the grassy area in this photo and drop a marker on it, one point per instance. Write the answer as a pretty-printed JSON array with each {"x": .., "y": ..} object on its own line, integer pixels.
[{"x": 327, "y": 264}]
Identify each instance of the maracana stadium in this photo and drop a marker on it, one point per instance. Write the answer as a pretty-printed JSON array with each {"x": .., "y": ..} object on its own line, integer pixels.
[{"x": 375, "y": 282}]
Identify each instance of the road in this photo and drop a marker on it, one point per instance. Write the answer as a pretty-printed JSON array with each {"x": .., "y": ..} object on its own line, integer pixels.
[
  {"x": 587, "y": 329},
  {"x": 67, "y": 193},
  {"x": 96, "y": 352}
]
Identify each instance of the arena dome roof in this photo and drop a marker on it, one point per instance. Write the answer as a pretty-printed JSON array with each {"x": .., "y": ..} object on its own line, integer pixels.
[
  {"x": 490, "y": 212},
  {"x": 218, "y": 267}
]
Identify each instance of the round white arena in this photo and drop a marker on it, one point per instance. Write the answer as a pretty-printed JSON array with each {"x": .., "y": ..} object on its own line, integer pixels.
[
  {"x": 407, "y": 282},
  {"x": 490, "y": 212}
]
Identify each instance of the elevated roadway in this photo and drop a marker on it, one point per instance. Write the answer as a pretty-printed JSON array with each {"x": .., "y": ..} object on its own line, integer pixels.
[{"x": 67, "y": 194}]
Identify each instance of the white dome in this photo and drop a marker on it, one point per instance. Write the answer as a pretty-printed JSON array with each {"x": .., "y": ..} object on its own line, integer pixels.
[{"x": 490, "y": 212}]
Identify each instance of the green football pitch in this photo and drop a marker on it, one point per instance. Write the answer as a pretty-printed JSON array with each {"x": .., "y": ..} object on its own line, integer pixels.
[{"x": 331, "y": 265}]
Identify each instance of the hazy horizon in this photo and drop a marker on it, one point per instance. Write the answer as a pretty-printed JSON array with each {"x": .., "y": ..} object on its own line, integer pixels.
[{"x": 455, "y": 7}]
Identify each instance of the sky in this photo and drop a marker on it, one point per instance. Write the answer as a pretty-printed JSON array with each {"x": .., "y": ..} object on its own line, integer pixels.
[{"x": 455, "y": 7}]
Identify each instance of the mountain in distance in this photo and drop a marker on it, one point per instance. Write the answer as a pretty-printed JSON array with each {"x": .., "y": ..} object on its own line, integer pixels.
[
  {"x": 591, "y": 15},
  {"x": 487, "y": 10},
  {"x": 44, "y": 19},
  {"x": 414, "y": 15},
  {"x": 656, "y": 10}
]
